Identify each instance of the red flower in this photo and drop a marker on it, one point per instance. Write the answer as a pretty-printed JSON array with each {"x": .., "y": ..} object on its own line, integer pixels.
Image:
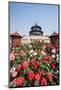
[
  {"x": 35, "y": 66},
  {"x": 18, "y": 68},
  {"x": 37, "y": 62},
  {"x": 43, "y": 82},
  {"x": 49, "y": 58},
  {"x": 19, "y": 81},
  {"x": 53, "y": 66},
  {"x": 24, "y": 64},
  {"x": 37, "y": 77},
  {"x": 32, "y": 61},
  {"x": 49, "y": 76},
  {"x": 30, "y": 75},
  {"x": 40, "y": 72},
  {"x": 43, "y": 59}
]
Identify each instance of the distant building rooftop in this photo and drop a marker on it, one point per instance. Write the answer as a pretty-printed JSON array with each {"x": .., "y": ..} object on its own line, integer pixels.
[
  {"x": 54, "y": 34},
  {"x": 36, "y": 30},
  {"x": 15, "y": 34}
]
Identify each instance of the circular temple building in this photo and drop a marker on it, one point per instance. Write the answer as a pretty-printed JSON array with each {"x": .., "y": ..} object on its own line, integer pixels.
[{"x": 36, "y": 30}]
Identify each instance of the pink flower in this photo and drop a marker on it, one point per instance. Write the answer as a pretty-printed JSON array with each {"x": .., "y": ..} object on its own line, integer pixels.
[
  {"x": 36, "y": 83},
  {"x": 53, "y": 56},
  {"x": 53, "y": 50},
  {"x": 14, "y": 74},
  {"x": 22, "y": 53},
  {"x": 43, "y": 82},
  {"x": 12, "y": 56},
  {"x": 12, "y": 70},
  {"x": 49, "y": 58},
  {"x": 53, "y": 66}
]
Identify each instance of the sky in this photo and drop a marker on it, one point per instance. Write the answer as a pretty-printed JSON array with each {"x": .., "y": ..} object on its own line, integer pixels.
[{"x": 24, "y": 15}]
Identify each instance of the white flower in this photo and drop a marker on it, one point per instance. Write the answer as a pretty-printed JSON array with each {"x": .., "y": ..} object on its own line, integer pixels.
[
  {"x": 53, "y": 50},
  {"x": 57, "y": 72},
  {"x": 12, "y": 84},
  {"x": 57, "y": 59},
  {"x": 14, "y": 74},
  {"x": 35, "y": 53},
  {"x": 31, "y": 55},
  {"x": 28, "y": 59},
  {"x": 43, "y": 53},
  {"x": 44, "y": 47},
  {"x": 57, "y": 55},
  {"x": 12, "y": 70},
  {"x": 31, "y": 51},
  {"x": 53, "y": 56},
  {"x": 30, "y": 46}
]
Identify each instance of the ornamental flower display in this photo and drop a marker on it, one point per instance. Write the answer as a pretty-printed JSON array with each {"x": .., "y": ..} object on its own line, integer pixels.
[
  {"x": 36, "y": 64},
  {"x": 39, "y": 70}
]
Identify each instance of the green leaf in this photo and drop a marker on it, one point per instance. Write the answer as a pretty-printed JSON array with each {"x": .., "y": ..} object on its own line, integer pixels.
[
  {"x": 19, "y": 60},
  {"x": 47, "y": 69},
  {"x": 27, "y": 70},
  {"x": 52, "y": 71},
  {"x": 41, "y": 56},
  {"x": 54, "y": 76},
  {"x": 25, "y": 83},
  {"x": 52, "y": 82}
]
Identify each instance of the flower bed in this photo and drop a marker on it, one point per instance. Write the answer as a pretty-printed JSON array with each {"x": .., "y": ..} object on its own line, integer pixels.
[{"x": 34, "y": 65}]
